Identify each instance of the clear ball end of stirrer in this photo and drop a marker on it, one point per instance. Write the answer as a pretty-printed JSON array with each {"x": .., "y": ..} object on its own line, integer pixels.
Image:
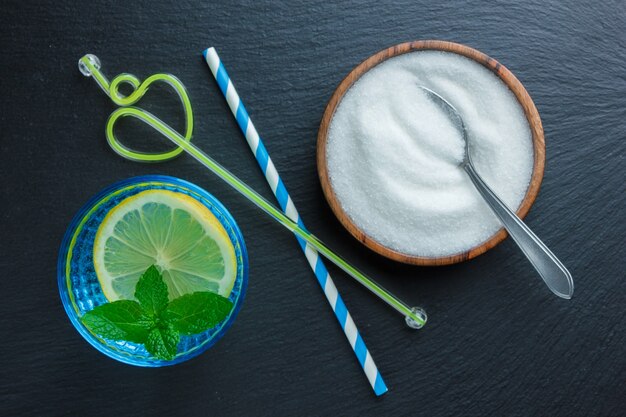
[
  {"x": 413, "y": 324},
  {"x": 84, "y": 69}
]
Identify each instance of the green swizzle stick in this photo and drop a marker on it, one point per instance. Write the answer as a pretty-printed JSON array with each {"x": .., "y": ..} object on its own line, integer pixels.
[{"x": 89, "y": 66}]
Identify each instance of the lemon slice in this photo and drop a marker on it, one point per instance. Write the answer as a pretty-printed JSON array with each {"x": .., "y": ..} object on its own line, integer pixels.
[{"x": 171, "y": 230}]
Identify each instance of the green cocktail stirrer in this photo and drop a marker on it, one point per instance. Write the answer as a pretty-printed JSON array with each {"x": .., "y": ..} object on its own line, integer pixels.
[{"x": 89, "y": 66}]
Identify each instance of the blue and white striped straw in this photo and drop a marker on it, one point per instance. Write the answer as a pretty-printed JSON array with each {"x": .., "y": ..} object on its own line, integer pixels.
[{"x": 286, "y": 204}]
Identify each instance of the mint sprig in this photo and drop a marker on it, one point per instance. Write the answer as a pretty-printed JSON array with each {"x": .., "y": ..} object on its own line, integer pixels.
[{"x": 154, "y": 321}]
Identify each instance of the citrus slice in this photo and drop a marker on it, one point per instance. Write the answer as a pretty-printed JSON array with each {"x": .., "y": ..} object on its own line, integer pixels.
[{"x": 171, "y": 230}]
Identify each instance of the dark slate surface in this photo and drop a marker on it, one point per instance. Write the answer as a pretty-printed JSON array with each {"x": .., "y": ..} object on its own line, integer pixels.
[{"x": 497, "y": 343}]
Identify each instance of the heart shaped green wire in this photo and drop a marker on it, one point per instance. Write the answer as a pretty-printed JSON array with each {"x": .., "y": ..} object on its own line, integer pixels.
[{"x": 89, "y": 65}]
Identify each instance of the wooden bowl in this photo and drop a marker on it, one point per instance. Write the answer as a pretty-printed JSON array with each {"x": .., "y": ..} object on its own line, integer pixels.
[{"x": 504, "y": 74}]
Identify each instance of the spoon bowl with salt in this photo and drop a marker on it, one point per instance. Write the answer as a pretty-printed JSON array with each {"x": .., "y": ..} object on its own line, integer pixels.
[{"x": 553, "y": 272}]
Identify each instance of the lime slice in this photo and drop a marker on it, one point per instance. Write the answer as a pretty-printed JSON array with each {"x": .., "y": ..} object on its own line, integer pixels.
[{"x": 171, "y": 230}]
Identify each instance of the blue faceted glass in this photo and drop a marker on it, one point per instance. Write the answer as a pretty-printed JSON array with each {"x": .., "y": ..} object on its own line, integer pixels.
[{"x": 79, "y": 286}]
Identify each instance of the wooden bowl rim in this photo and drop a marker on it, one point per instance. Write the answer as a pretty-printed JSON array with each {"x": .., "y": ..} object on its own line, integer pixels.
[{"x": 516, "y": 87}]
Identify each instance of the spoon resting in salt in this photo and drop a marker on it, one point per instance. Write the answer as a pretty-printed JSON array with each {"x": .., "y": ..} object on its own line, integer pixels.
[{"x": 553, "y": 272}]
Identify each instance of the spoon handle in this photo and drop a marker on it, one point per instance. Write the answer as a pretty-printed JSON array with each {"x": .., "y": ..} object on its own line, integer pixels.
[{"x": 555, "y": 275}]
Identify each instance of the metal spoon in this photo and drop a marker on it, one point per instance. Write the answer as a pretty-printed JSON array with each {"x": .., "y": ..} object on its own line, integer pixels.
[{"x": 555, "y": 275}]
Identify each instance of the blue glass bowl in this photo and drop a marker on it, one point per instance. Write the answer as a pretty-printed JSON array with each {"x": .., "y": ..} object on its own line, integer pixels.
[{"x": 79, "y": 286}]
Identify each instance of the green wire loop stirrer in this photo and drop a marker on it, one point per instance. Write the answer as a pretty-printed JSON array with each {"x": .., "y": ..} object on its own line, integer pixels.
[{"x": 89, "y": 65}]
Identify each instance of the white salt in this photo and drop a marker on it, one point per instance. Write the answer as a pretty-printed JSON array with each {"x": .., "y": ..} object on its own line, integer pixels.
[{"x": 393, "y": 154}]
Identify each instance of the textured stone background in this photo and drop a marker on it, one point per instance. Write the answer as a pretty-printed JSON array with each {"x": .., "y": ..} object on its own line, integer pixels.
[{"x": 497, "y": 343}]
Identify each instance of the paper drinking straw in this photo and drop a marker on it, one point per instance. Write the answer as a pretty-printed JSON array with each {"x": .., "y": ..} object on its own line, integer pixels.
[{"x": 286, "y": 204}]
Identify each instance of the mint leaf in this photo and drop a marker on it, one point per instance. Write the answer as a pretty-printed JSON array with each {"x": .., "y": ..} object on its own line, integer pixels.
[
  {"x": 151, "y": 291},
  {"x": 119, "y": 320},
  {"x": 163, "y": 341},
  {"x": 197, "y": 312}
]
